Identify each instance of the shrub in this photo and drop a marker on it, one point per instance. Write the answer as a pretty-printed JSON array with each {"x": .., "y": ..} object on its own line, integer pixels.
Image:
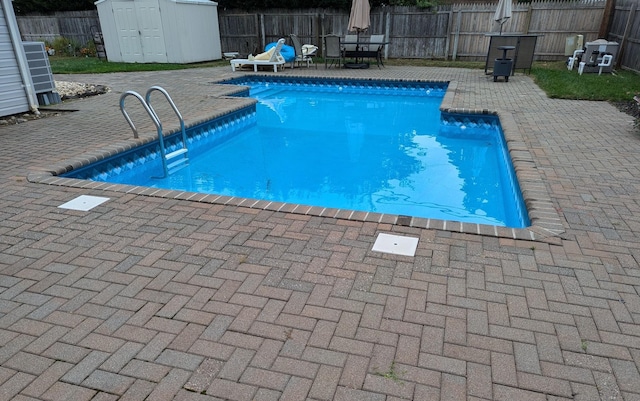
[
  {"x": 64, "y": 46},
  {"x": 89, "y": 49}
]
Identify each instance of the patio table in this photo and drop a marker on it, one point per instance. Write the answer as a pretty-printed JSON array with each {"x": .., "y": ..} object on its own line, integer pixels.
[{"x": 361, "y": 54}]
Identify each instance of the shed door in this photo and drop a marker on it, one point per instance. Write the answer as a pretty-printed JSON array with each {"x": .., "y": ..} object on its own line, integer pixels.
[
  {"x": 139, "y": 29},
  {"x": 13, "y": 97},
  {"x": 151, "y": 35},
  {"x": 124, "y": 14}
]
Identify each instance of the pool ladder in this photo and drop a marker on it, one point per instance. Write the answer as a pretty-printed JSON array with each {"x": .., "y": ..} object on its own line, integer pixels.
[{"x": 169, "y": 165}]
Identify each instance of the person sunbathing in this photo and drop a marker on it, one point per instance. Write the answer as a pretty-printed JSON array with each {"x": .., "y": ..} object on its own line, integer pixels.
[{"x": 262, "y": 56}]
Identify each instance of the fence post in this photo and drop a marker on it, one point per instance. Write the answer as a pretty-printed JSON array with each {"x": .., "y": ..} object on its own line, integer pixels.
[
  {"x": 527, "y": 20},
  {"x": 263, "y": 32},
  {"x": 316, "y": 33},
  {"x": 606, "y": 18},
  {"x": 457, "y": 35},
  {"x": 447, "y": 41},
  {"x": 387, "y": 33},
  {"x": 323, "y": 34},
  {"x": 625, "y": 34}
]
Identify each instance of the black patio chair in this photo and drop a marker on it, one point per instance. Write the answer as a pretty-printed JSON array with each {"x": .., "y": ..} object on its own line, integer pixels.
[{"x": 332, "y": 50}]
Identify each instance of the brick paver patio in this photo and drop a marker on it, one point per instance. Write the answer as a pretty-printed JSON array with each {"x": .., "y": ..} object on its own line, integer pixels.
[{"x": 153, "y": 298}]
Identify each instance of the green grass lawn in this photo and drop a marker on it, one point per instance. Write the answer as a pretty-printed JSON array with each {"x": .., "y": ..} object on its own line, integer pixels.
[
  {"x": 552, "y": 77},
  {"x": 560, "y": 83},
  {"x": 93, "y": 65}
]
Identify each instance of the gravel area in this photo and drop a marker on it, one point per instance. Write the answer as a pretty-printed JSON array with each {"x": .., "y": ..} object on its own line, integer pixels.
[{"x": 73, "y": 90}]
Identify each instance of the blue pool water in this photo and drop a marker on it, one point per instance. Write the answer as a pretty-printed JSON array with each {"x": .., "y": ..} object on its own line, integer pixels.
[{"x": 365, "y": 147}]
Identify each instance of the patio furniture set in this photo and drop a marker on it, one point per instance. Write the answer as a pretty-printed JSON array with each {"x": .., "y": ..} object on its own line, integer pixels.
[{"x": 336, "y": 50}]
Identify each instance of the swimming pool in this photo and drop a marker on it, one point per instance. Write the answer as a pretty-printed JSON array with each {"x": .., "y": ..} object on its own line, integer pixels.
[{"x": 290, "y": 149}]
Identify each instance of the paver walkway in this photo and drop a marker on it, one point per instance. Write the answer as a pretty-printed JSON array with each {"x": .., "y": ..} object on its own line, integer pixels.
[{"x": 161, "y": 299}]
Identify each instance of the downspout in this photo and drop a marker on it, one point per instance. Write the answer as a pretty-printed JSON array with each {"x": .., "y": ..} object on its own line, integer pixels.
[{"x": 16, "y": 41}]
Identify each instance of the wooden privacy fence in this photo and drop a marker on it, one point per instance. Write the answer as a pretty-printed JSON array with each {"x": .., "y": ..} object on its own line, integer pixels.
[
  {"x": 553, "y": 21},
  {"x": 455, "y": 31},
  {"x": 73, "y": 25},
  {"x": 625, "y": 29}
]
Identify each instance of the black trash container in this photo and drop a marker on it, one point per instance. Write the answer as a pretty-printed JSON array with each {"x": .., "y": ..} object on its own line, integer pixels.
[{"x": 502, "y": 67}]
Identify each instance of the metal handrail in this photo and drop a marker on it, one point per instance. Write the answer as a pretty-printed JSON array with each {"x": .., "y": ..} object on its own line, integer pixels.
[
  {"x": 146, "y": 103},
  {"x": 171, "y": 103},
  {"x": 154, "y": 118},
  {"x": 151, "y": 113}
]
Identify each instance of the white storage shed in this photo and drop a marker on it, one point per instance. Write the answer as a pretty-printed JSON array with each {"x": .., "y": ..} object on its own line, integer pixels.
[
  {"x": 17, "y": 94},
  {"x": 160, "y": 31}
]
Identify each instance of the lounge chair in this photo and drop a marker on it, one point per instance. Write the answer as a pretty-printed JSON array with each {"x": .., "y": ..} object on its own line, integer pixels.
[
  {"x": 304, "y": 53},
  {"x": 332, "y": 50},
  {"x": 270, "y": 57}
]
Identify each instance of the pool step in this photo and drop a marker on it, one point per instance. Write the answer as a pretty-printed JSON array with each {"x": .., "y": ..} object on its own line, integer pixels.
[
  {"x": 177, "y": 164},
  {"x": 176, "y": 153}
]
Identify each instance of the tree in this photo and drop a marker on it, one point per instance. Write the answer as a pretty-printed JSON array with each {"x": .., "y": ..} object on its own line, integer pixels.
[
  {"x": 23, "y": 7},
  {"x": 291, "y": 4}
]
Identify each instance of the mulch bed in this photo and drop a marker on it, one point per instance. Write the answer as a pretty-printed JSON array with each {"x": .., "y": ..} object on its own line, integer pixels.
[{"x": 630, "y": 107}]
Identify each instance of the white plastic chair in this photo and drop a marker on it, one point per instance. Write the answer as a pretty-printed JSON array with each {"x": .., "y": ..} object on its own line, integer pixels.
[{"x": 304, "y": 53}]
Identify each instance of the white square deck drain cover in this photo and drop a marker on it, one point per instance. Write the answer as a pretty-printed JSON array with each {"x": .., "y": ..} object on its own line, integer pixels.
[
  {"x": 396, "y": 244},
  {"x": 84, "y": 203}
]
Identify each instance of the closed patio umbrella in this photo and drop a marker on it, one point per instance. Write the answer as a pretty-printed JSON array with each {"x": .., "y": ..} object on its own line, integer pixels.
[
  {"x": 503, "y": 12},
  {"x": 359, "y": 18}
]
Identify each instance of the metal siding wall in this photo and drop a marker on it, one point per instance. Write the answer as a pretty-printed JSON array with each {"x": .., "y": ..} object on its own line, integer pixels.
[
  {"x": 215, "y": 32},
  {"x": 109, "y": 31},
  {"x": 194, "y": 34},
  {"x": 13, "y": 98},
  {"x": 189, "y": 34},
  {"x": 175, "y": 28}
]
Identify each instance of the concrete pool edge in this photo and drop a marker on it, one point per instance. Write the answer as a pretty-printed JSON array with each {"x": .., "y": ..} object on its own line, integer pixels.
[{"x": 546, "y": 224}]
